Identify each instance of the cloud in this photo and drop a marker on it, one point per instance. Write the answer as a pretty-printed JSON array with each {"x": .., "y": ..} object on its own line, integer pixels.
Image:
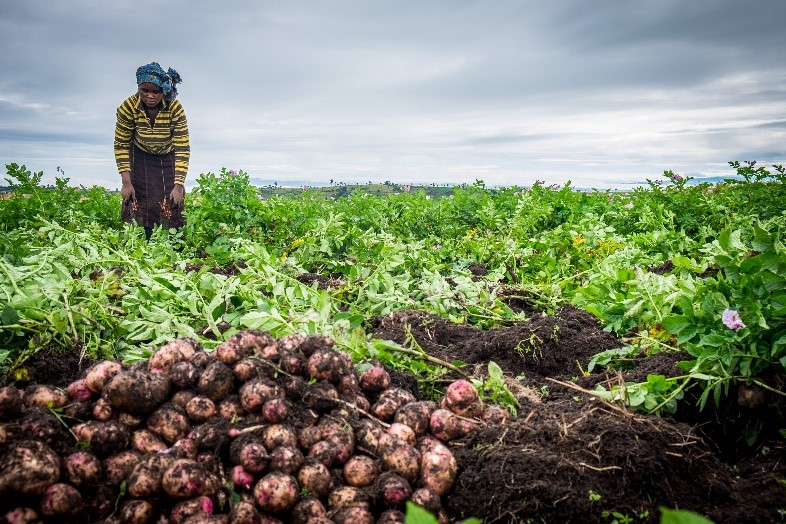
[{"x": 608, "y": 93}]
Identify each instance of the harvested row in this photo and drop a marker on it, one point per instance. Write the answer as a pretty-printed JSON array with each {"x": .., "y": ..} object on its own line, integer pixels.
[{"x": 261, "y": 430}]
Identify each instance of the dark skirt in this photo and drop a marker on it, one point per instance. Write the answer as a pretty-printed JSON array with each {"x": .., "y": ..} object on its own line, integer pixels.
[{"x": 153, "y": 177}]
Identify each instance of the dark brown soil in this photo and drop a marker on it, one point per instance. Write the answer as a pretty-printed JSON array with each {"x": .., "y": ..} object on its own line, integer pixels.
[{"x": 567, "y": 456}]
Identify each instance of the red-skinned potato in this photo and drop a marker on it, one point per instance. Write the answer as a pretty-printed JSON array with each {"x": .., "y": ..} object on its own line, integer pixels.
[
  {"x": 347, "y": 497},
  {"x": 495, "y": 415},
  {"x": 438, "y": 466},
  {"x": 216, "y": 381},
  {"x": 392, "y": 490},
  {"x": 145, "y": 478},
  {"x": 400, "y": 457},
  {"x": 447, "y": 426},
  {"x": 170, "y": 422},
  {"x": 83, "y": 468},
  {"x": 404, "y": 432},
  {"x": 146, "y": 442},
  {"x": 462, "y": 398},
  {"x": 186, "y": 509},
  {"x": 78, "y": 391},
  {"x": 256, "y": 392},
  {"x": 39, "y": 395},
  {"x": 200, "y": 408},
  {"x": 276, "y": 435},
  {"x": 164, "y": 358},
  {"x": 375, "y": 379},
  {"x": 326, "y": 364},
  {"x": 286, "y": 459},
  {"x": 392, "y": 516},
  {"x": 307, "y": 510},
  {"x": 427, "y": 499},
  {"x": 27, "y": 468},
  {"x": 137, "y": 392},
  {"x": 117, "y": 467},
  {"x": 352, "y": 515},
  {"x": 22, "y": 515},
  {"x": 61, "y": 500},
  {"x": 276, "y": 492},
  {"x": 100, "y": 374},
  {"x": 186, "y": 478},
  {"x": 389, "y": 402},
  {"x": 244, "y": 512},
  {"x": 314, "y": 478},
  {"x": 361, "y": 471},
  {"x": 249, "y": 451},
  {"x": 416, "y": 415}
]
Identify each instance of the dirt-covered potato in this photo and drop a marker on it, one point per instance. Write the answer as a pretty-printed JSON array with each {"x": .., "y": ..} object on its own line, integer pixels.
[
  {"x": 186, "y": 478},
  {"x": 11, "y": 402},
  {"x": 184, "y": 375},
  {"x": 307, "y": 510},
  {"x": 146, "y": 442},
  {"x": 347, "y": 497},
  {"x": 200, "y": 408},
  {"x": 276, "y": 435},
  {"x": 103, "y": 438},
  {"x": 78, "y": 390},
  {"x": 276, "y": 492},
  {"x": 249, "y": 451},
  {"x": 101, "y": 373},
  {"x": 216, "y": 382},
  {"x": 137, "y": 392},
  {"x": 392, "y": 490},
  {"x": 389, "y": 402},
  {"x": 244, "y": 512},
  {"x": 145, "y": 478},
  {"x": 28, "y": 467},
  {"x": 326, "y": 364},
  {"x": 186, "y": 509},
  {"x": 314, "y": 478},
  {"x": 117, "y": 467},
  {"x": 83, "y": 468},
  {"x": 400, "y": 457},
  {"x": 135, "y": 512},
  {"x": 447, "y": 426},
  {"x": 254, "y": 394},
  {"x": 462, "y": 398},
  {"x": 22, "y": 515},
  {"x": 61, "y": 500},
  {"x": 416, "y": 415},
  {"x": 40, "y": 395},
  {"x": 375, "y": 379},
  {"x": 361, "y": 471},
  {"x": 287, "y": 459},
  {"x": 438, "y": 466}
]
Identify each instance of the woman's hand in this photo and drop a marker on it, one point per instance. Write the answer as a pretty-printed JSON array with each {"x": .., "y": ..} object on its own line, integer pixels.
[
  {"x": 127, "y": 191},
  {"x": 177, "y": 196}
]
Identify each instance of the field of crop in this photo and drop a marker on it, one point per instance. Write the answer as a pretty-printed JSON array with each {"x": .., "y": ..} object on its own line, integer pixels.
[{"x": 636, "y": 340}]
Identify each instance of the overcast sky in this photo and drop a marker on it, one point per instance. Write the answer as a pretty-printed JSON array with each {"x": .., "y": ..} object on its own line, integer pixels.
[{"x": 602, "y": 93}]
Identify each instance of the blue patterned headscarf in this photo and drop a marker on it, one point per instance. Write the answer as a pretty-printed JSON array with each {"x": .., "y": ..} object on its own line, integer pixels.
[{"x": 155, "y": 74}]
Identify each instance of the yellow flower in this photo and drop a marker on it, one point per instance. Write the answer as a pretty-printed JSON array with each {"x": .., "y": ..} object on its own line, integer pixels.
[
  {"x": 284, "y": 256},
  {"x": 578, "y": 241},
  {"x": 297, "y": 243}
]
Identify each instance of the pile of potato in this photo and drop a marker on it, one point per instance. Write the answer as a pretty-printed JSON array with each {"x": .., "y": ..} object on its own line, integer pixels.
[{"x": 261, "y": 430}]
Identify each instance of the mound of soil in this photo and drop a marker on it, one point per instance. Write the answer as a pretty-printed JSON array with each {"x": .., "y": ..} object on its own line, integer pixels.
[{"x": 570, "y": 457}]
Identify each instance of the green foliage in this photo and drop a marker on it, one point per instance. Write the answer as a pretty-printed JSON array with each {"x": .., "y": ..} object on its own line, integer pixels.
[
  {"x": 73, "y": 277},
  {"x": 681, "y": 516}
]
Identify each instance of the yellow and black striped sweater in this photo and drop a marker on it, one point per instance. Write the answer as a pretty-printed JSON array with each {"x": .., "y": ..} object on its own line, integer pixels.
[{"x": 168, "y": 133}]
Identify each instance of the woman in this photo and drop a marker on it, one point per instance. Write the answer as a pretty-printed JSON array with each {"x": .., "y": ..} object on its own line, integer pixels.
[{"x": 152, "y": 150}]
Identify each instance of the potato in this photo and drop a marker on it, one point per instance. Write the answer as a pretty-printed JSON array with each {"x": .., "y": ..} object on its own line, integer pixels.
[
  {"x": 184, "y": 448},
  {"x": 375, "y": 379},
  {"x": 216, "y": 381},
  {"x": 290, "y": 342},
  {"x": 185, "y": 509},
  {"x": 324, "y": 452},
  {"x": 230, "y": 408},
  {"x": 252, "y": 367},
  {"x": 276, "y": 435},
  {"x": 242, "y": 478},
  {"x": 145, "y": 478},
  {"x": 427, "y": 499},
  {"x": 438, "y": 466},
  {"x": 136, "y": 512},
  {"x": 79, "y": 391},
  {"x": 210, "y": 436},
  {"x": 61, "y": 500},
  {"x": 392, "y": 490},
  {"x": 389, "y": 402},
  {"x": 314, "y": 478},
  {"x": 275, "y": 410},
  {"x": 104, "y": 438},
  {"x": 11, "y": 402},
  {"x": 200, "y": 408},
  {"x": 321, "y": 397},
  {"x": 495, "y": 415},
  {"x": 83, "y": 468},
  {"x": 186, "y": 478},
  {"x": 102, "y": 410},
  {"x": 99, "y": 375},
  {"x": 256, "y": 392},
  {"x": 392, "y": 516},
  {"x": 164, "y": 359},
  {"x": 313, "y": 343},
  {"x": 146, "y": 442},
  {"x": 276, "y": 492},
  {"x": 308, "y": 436},
  {"x": 184, "y": 375},
  {"x": 462, "y": 398},
  {"x": 347, "y": 497},
  {"x": 352, "y": 515},
  {"x": 244, "y": 512},
  {"x": 286, "y": 459},
  {"x": 326, "y": 364},
  {"x": 447, "y": 426},
  {"x": 117, "y": 467},
  {"x": 28, "y": 467},
  {"x": 170, "y": 422},
  {"x": 403, "y": 432},
  {"x": 22, "y": 515},
  {"x": 249, "y": 452},
  {"x": 306, "y": 510},
  {"x": 367, "y": 435},
  {"x": 137, "y": 392},
  {"x": 361, "y": 471},
  {"x": 400, "y": 457},
  {"x": 39, "y": 395},
  {"x": 187, "y": 347},
  {"x": 416, "y": 415},
  {"x": 182, "y": 398}
]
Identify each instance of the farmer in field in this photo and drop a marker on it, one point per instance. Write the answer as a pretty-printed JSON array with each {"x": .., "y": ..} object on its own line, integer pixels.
[{"x": 152, "y": 150}]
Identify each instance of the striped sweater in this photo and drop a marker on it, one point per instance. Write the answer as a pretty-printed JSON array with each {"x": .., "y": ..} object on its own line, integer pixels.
[{"x": 168, "y": 133}]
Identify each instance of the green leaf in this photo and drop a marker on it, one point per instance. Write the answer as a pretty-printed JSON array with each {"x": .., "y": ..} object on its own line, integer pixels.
[
  {"x": 682, "y": 516},
  {"x": 495, "y": 372},
  {"x": 676, "y": 323},
  {"x": 417, "y": 515},
  {"x": 9, "y": 315}
]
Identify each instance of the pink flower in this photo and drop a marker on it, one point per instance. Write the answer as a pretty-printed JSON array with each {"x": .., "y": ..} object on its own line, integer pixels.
[
  {"x": 629, "y": 205},
  {"x": 232, "y": 172},
  {"x": 732, "y": 320}
]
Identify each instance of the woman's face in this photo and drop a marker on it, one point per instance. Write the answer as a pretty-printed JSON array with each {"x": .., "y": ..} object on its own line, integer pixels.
[{"x": 150, "y": 94}]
